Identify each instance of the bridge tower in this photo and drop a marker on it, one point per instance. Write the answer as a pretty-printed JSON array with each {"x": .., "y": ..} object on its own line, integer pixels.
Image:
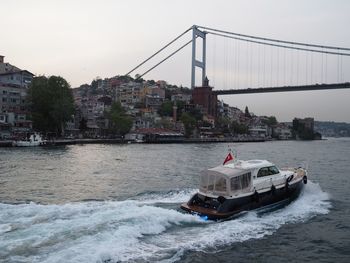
[{"x": 196, "y": 63}]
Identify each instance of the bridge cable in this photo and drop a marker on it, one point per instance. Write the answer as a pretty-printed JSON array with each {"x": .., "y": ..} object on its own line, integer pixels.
[
  {"x": 264, "y": 73},
  {"x": 251, "y": 65},
  {"x": 326, "y": 69},
  {"x": 292, "y": 67},
  {"x": 172, "y": 54},
  {"x": 306, "y": 68},
  {"x": 312, "y": 73},
  {"x": 271, "y": 68},
  {"x": 297, "y": 67},
  {"x": 277, "y": 69},
  {"x": 282, "y": 46},
  {"x": 160, "y": 50},
  {"x": 273, "y": 40}
]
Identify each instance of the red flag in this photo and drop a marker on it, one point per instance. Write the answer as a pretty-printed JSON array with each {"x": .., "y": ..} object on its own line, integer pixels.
[{"x": 228, "y": 158}]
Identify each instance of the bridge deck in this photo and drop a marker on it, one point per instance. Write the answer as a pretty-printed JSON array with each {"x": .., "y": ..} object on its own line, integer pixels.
[{"x": 284, "y": 89}]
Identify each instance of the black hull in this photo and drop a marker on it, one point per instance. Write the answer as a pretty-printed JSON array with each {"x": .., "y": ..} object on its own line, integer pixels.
[{"x": 221, "y": 208}]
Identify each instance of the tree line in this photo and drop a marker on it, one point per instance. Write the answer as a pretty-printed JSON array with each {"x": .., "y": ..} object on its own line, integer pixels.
[{"x": 51, "y": 105}]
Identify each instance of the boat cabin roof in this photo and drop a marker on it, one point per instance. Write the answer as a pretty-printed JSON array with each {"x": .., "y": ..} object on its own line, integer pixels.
[
  {"x": 239, "y": 167},
  {"x": 231, "y": 179}
]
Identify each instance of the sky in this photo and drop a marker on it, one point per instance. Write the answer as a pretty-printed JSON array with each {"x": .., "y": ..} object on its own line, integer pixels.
[{"x": 84, "y": 39}]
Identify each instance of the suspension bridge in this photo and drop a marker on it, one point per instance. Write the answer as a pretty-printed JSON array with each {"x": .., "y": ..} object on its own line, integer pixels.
[{"x": 254, "y": 64}]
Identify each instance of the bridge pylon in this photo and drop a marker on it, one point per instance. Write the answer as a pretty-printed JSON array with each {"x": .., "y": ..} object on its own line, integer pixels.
[{"x": 196, "y": 63}]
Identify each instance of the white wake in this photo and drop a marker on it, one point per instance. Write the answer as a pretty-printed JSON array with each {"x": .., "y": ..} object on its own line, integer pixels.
[{"x": 132, "y": 230}]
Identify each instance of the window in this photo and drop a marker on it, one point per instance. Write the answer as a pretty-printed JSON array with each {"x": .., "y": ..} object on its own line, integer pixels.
[
  {"x": 266, "y": 171},
  {"x": 241, "y": 182},
  {"x": 245, "y": 180},
  {"x": 235, "y": 184},
  {"x": 220, "y": 184},
  {"x": 204, "y": 182},
  {"x": 273, "y": 170},
  {"x": 263, "y": 172},
  {"x": 211, "y": 183}
]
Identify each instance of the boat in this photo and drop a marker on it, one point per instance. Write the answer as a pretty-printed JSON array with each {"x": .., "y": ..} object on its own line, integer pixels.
[
  {"x": 33, "y": 139},
  {"x": 232, "y": 188}
]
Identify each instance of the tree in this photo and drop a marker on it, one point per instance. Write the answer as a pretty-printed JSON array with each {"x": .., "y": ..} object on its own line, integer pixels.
[
  {"x": 120, "y": 122},
  {"x": 223, "y": 124},
  {"x": 189, "y": 122},
  {"x": 51, "y": 102},
  {"x": 270, "y": 121},
  {"x": 166, "y": 109},
  {"x": 239, "y": 128}
]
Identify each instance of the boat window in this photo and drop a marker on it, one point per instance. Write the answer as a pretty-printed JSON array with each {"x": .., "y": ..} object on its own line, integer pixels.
[
  {"x": 273, "y": 170},
  {"x": 241, "y": 182},
  {"x": 204, "y": 181},
  {"x": 245, "y": 180},
  {"x": 220, "y": 184},
  {"x": 211, "y": 183},
  {"x": 235, "y": 183},
  {"x": 266, "y": 171},
  {"x": 263, "y": 172}
]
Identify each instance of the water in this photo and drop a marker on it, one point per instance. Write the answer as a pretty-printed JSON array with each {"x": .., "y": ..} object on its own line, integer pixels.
[{"x": 119, "y": 203}]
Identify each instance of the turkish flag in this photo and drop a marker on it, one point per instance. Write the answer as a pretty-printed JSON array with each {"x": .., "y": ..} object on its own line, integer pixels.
[{"x": 228, "y": 158}]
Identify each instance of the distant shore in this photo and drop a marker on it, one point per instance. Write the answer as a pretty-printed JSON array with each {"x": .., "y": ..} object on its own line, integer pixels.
[{"x": 60, "y": 142}]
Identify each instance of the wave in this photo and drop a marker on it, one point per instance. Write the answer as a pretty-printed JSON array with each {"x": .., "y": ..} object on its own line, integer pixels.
[{"x": 135, "y": 230}]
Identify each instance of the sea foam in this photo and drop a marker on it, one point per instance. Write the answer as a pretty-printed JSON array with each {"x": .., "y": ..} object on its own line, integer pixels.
[{"x": 135, "y": 230}]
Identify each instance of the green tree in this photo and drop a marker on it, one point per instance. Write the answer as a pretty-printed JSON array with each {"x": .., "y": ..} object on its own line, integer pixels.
[
  {"x": 270, "y": 121},
  {"x": 119, "y": 121},
  {"x": 239, "y": 128},
  {"x": 51, "y": 102},
  {"x": 189, "y": 122},
  {"x": 166, "y": 109}
]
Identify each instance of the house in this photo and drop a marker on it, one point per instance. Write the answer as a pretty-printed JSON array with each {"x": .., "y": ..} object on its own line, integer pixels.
[
  {"x": 282, "y": 132},
  {"x": 14, "y": 84}
]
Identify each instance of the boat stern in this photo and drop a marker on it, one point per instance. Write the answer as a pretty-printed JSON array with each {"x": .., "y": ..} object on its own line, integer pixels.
[{"x": 205, "y": 206}]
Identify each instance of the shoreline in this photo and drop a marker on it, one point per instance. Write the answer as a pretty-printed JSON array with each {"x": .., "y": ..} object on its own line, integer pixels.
[{"x": 60, "y": 142}]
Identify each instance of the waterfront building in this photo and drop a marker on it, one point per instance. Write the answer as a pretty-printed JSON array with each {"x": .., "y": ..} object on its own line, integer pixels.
[
  {"x": 282, "y": 132},
  {"x": 14, "y": 84},
  {"x": 259, "y": 131}
]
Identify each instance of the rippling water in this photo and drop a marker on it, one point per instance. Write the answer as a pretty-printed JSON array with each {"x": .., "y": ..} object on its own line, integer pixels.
[{"x": 119, "y": 203}]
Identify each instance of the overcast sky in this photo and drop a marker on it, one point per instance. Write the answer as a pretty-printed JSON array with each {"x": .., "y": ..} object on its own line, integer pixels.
[{"x": 81, "y": 39}]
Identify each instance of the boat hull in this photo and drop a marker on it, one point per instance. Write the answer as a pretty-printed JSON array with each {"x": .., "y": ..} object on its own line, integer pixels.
[{"x": 212, "y": 209}]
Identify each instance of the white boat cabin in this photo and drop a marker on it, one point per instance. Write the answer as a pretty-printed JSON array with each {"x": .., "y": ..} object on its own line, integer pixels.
[{"x": 241, "y": 177}]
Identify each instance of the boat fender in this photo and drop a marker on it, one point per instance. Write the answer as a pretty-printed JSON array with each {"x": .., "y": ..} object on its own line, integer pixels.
[
  {"x": 221, "y": 199},
  {"x": 290, "y": 178},
  {"x": 305, "y": 179},
  {"x": 273, "y": 190}
]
